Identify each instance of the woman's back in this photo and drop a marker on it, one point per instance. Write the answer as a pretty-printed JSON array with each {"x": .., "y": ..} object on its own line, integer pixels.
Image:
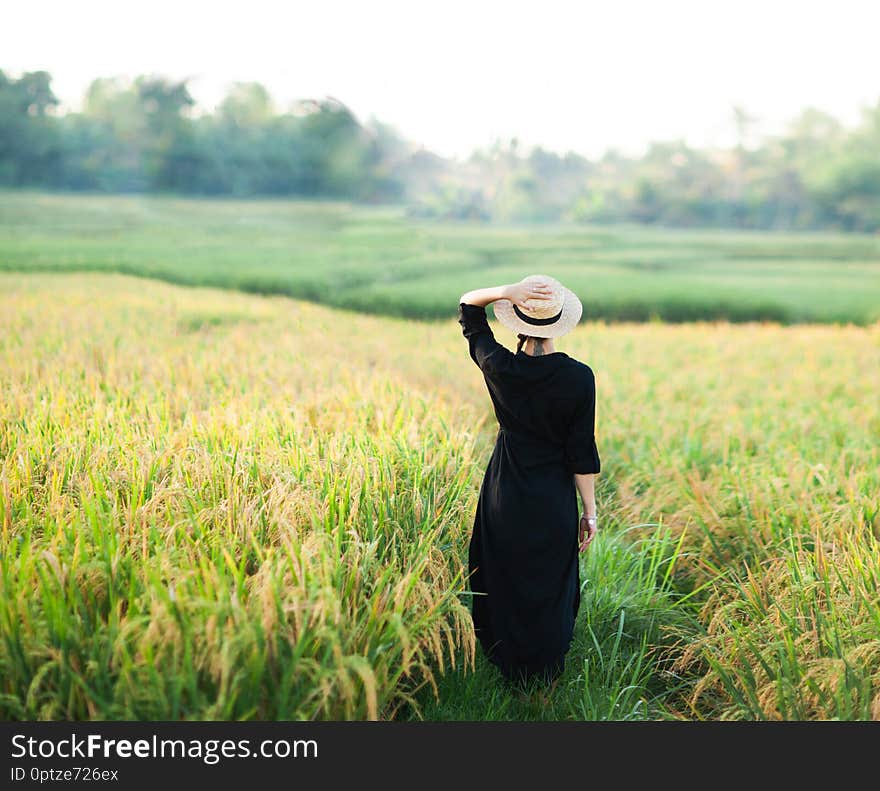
[{"x": 545, "y": 404}]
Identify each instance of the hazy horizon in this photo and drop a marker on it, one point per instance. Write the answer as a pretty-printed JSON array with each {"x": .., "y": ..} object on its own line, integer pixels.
[{"x": 579, "y": 77}]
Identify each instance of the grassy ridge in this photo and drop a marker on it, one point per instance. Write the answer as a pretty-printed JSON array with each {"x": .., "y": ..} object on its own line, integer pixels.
[
  {"x": 376, "y": 261},
  {"x": 220, "y": 505}
]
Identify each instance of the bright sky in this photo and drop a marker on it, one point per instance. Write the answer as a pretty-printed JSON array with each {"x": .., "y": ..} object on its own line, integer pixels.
[{"x": 583, "y": 75}]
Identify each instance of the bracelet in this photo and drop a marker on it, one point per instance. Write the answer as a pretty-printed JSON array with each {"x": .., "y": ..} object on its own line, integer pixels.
[{"x": 590, "y": 518}]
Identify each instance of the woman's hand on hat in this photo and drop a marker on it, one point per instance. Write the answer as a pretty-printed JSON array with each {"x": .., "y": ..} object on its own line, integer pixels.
[{"x": 520, "y": 293}]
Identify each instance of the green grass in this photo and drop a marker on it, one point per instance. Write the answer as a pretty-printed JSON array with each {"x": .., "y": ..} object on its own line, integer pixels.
[
  {"x": 217, "y": 505},
  {"x": 376, "y": 260},
  {"x": 630, "y": 620}
]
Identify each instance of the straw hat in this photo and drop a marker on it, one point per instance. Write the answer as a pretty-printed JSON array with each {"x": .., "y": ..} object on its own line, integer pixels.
[{"x": 548, "y": 318}]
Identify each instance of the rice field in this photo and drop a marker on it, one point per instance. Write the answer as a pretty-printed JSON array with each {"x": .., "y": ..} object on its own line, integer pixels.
[
  {"x": 222, "y": 505},
  {"x": 376, "y": 260}
]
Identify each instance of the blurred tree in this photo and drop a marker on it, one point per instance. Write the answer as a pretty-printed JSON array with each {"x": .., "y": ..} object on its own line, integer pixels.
[
  {"x": 845, "y": 184},
  {"x": 29, "y": 143},
  {"x": 106, "y": 141},
  {"x": 143, "y": 135},
  {"x": 247, "y": 104},
  {"x": 170, "y": 158}
]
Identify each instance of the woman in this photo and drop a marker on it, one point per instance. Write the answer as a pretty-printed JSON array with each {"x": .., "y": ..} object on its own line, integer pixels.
[{"x": 523, "y": 555}]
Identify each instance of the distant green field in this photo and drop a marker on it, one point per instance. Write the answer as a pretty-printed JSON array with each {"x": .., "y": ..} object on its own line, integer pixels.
[{"x": 377, "y": 260}]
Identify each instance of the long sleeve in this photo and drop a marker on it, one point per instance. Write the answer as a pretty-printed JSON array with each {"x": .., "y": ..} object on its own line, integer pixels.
[
  {"x": 581, "y": 453},
  {"x": 485, "y": 351}
]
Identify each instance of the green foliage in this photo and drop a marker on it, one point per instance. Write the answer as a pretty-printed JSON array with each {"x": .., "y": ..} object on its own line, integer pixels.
[
  {"x": 29, "y": 145},
  {"x": 143, "y": 136},
  {"x": 814, "y": 175}
]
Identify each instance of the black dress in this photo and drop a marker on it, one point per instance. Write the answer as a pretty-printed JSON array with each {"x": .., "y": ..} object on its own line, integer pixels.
[{"x": 523, "y": 554}]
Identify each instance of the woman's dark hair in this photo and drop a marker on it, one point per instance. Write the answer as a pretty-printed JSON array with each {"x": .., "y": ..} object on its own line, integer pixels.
[{"x": 524, "y": 338}]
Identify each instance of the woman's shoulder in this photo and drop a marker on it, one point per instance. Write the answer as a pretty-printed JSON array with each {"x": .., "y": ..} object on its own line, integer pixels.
[
  {"x": 582, "y": 379},
  {"x": 581, "y": 369}
]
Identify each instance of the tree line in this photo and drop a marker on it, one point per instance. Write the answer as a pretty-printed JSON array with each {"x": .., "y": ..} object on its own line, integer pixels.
[{"x": 147, "y": 135}]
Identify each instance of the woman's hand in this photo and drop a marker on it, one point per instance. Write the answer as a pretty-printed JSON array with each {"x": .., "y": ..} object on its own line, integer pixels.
[
  {"x": 587, "y": 532},
  {"x": 519, "y": 293}
]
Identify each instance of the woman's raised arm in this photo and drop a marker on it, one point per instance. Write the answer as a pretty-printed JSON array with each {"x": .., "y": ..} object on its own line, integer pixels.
[{"x": 517, "y": 293}]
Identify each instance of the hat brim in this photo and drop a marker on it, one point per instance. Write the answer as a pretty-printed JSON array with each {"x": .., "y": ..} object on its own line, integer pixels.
[{"x": 571, "y": 315}]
